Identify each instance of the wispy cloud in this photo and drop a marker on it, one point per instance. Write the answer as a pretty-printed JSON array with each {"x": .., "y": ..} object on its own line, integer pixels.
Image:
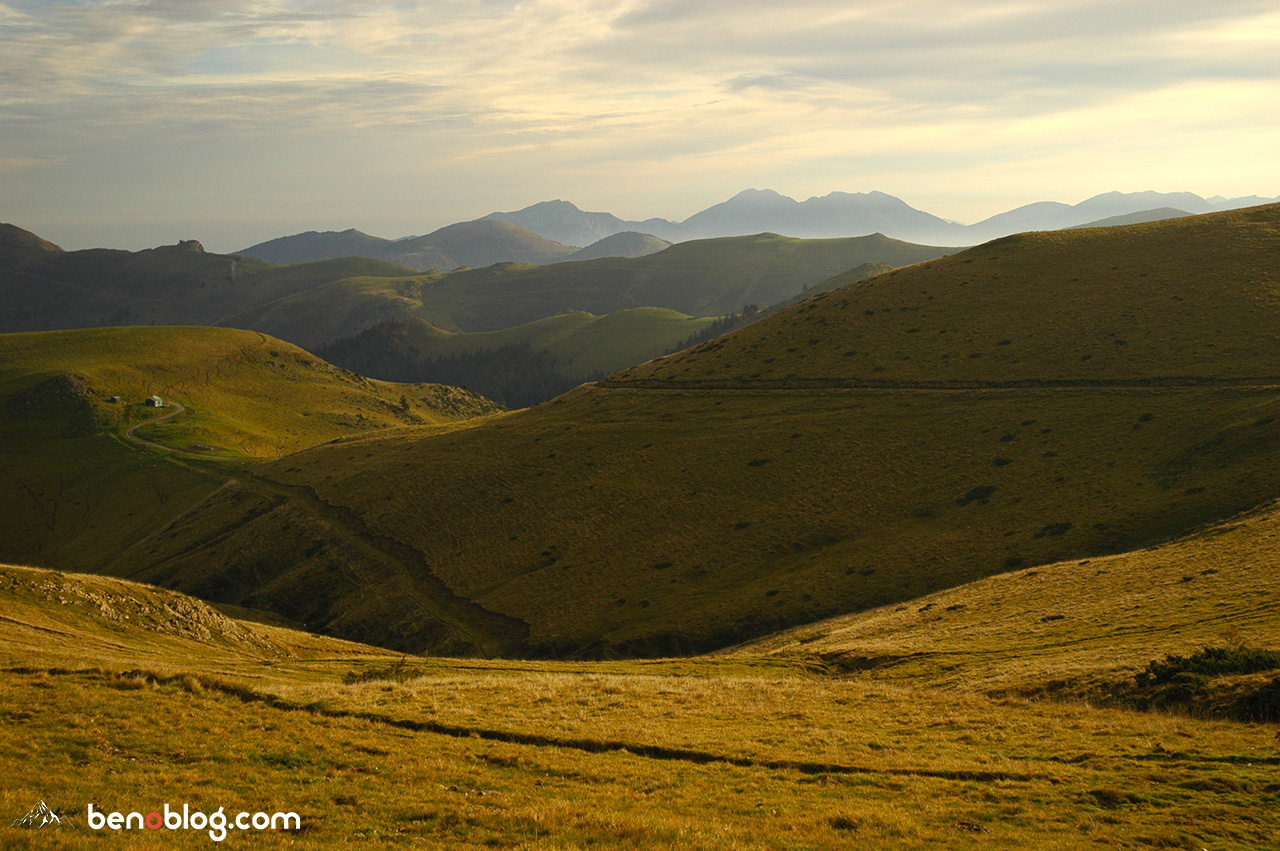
[
  {"x": 17, "y": 165},
  {"x": 547, "y": 59},
  {"x": 738, "y": 92}
]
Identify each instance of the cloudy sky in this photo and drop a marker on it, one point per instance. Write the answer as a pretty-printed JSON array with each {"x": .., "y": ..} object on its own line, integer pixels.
[{"x": 132, "y": 123}]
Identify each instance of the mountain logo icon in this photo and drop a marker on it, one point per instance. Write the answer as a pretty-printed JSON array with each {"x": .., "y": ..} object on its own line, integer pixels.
[{"x": 42, "y": 816}]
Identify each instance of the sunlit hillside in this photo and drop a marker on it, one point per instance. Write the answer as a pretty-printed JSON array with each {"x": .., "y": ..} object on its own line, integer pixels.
[
  {"x": 90, "y": 468},
  {"x": 718, "y": 753}
]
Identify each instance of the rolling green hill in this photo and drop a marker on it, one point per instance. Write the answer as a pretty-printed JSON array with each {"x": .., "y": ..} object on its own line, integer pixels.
[
  {"x": 625, "y": 244},
  {"x": 341, "y": 309},
  {"x": 1191, "y": 299},
  {"x": 704, "y": 278},
  {"x": 78, "y": 493},
  {"x": 528, "y": 364},
  {"x": 768, "y": 478}
]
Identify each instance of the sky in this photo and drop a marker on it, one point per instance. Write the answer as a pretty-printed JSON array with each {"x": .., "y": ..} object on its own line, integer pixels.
[{"x": 135, "y": 123}]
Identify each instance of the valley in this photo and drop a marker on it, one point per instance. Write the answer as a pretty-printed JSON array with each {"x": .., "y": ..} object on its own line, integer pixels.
[{"x": 931, "y": 556}]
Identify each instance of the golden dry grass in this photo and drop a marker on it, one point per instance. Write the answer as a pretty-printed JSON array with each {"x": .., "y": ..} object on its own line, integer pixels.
[
  {"x": 1071, "y": 626},
  {"x": 719, "y": 754}
]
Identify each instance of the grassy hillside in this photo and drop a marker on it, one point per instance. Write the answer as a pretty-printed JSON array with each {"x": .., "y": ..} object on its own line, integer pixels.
[
  {"x": 342, "y": 309},
  {"x": 244, "y": 392},
  {"x": 1191, "y": 298},
  {"x": 672, "y": 509},
  {"x": 78, "y": 493},
  {"x": 726, "y": 753},
  {"x": 1073, "y": 628}
]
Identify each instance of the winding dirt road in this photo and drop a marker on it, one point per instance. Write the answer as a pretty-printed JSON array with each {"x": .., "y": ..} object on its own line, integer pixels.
[{"x": 177, "y": 409}]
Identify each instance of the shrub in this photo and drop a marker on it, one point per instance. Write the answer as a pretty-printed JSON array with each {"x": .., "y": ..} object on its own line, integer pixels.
[
  {"x": 399, "y": 672},
  {"x": 1188, "y": 682},
  {"x": 1210, "y": 662}
]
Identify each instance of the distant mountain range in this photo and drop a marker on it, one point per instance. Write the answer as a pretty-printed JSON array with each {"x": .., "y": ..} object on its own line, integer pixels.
[
  {"x": 842, "y": 214},
  {"x": 547, "y": 231}
]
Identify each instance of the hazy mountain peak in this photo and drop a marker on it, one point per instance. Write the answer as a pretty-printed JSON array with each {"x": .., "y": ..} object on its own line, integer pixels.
[{"x": 760, "y": 193}]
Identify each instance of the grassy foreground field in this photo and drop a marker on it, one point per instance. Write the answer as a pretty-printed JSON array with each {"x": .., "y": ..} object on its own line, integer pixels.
[{"x": 132, "y": 697}]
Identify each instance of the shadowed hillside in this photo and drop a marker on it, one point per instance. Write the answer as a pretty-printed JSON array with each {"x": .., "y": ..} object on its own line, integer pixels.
[
  {"x": 547, "y": 357},
  {"x": 19, "y": 247},
  {"x": 1069, "y": 629},
  {"x": 171, "y": 285}
]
